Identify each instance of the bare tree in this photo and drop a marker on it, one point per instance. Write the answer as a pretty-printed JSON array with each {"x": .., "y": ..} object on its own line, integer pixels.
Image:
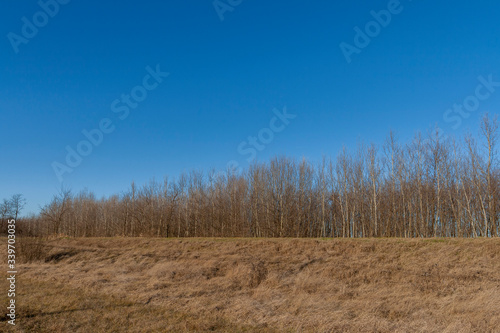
[
  {"x": 374, "y": 171},
  {"x": 489, "y": 130},
  {"x": 55, "y": 211},
  {"x": 17, "y": 202},
  {"x": 6, "y": 209}
]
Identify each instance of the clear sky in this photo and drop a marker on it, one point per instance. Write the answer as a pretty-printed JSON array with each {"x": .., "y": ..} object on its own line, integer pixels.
[{"x": 231, "y": 63}]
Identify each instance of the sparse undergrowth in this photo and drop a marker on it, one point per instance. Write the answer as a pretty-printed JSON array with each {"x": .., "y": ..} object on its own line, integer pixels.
[
  {"x": 259, "y": 285},
  {"x": 31, "y": 249}
]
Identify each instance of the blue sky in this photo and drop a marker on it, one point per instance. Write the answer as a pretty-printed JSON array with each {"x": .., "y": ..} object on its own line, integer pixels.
[{"x": 225, "y": 79}]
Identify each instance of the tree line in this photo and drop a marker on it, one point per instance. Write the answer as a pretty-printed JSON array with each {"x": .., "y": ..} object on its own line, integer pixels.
[{"x": 431, "y": 186}]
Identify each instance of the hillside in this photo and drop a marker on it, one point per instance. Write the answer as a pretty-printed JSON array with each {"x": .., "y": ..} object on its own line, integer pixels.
[{"x": 259, "y": 285}]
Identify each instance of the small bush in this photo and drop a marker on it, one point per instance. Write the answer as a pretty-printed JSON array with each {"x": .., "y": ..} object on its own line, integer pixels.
[{"x": 30, "y": 249}]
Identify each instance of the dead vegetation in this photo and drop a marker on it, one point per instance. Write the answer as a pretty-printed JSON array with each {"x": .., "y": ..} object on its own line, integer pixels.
[
  {"x": 31, "y": 249},
  {"x": 259, "y": 285}
]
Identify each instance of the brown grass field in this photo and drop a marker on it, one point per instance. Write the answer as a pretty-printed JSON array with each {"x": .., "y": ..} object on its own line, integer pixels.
[{"x": 256, "y": 285}]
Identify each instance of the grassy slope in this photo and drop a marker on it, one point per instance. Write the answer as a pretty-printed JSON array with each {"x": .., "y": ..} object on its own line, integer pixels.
[{"x": 261, "y": 285}]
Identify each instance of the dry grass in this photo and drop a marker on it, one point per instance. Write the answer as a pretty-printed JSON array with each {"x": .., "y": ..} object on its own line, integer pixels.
[{"x": 257, "y": 285}]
